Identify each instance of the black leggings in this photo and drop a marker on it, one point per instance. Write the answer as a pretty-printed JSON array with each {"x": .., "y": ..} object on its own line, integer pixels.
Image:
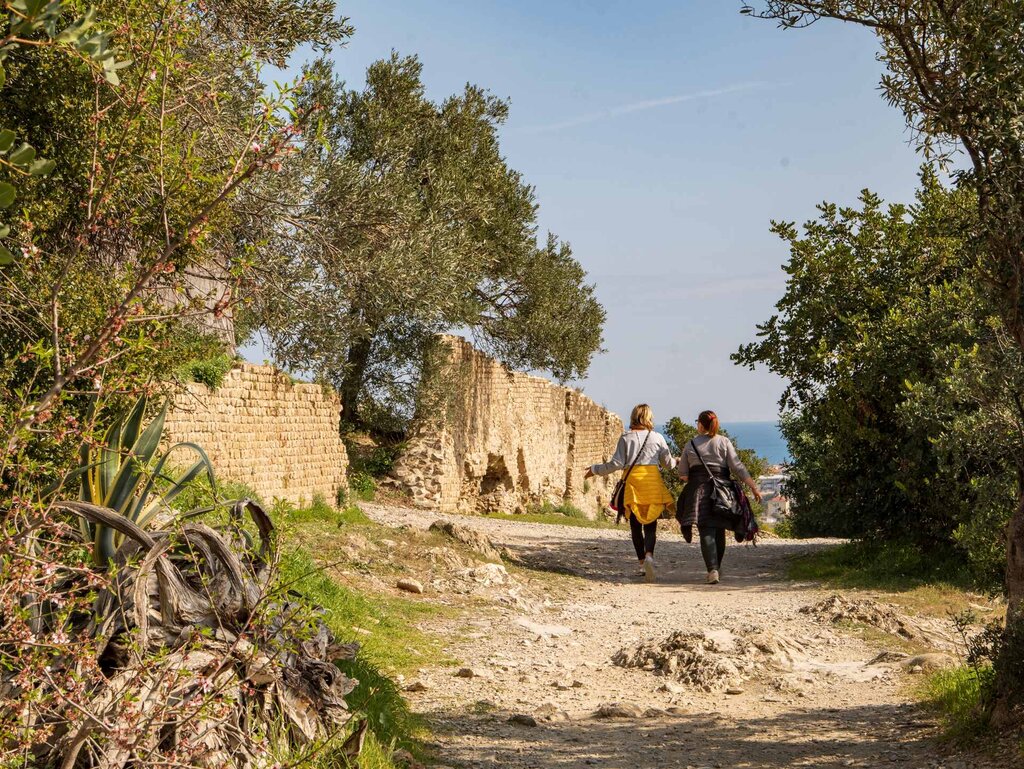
[
  {"x": 712, "y": 545},
  {"x": 644, "y": 536}
]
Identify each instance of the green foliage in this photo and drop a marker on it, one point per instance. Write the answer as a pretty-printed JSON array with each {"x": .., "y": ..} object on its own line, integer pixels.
[
  {"x": 123, "y": 473},
  {"x": 362, "y": 485},
  {"x": 200, "y": 494},
  {"x": 417, "y": 226},
  {"x": 893, "y": 363},
  {"x": 376, "y": 460},
  {"x": 879, "y": 565},
  {"x": 956, "y": 72},
  {"x": 385, "y": 628},
  {"x": 208, "y": 371},
  {"x": 43, "y": 23},
  {"x": 567, "y": 509},
  {"x": 959, "y": 695},
  {"x": 285, "y": 512}
]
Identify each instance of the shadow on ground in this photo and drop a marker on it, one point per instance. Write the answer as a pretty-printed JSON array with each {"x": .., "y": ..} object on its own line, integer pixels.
[
  {"x": 608, "y": 560},
  {"x": 877, "y": 736}
]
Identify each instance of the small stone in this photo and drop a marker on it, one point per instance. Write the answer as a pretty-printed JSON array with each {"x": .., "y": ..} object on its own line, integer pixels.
[
  {"x": 470, "y": 673},
  {"x": 734, "y": 690},
  {"x": 618, "y": 710},
  {"x": 416, "y": 686},
  {"x": 410, "y": 585},
  {"x": 672, "y": 687},
  {"x": 930, "y": 661},
  {"x": 523, "y": 719}
]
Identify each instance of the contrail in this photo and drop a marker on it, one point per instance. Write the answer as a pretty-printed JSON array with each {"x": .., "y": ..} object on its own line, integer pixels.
[{"x": 642, "y": 105}]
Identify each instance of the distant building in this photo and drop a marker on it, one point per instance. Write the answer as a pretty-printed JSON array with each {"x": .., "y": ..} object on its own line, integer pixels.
[{"x": 776, "y": 505}]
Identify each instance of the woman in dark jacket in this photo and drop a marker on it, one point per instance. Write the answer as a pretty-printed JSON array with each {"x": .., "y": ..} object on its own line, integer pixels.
[{"x": 722, "y": 461}]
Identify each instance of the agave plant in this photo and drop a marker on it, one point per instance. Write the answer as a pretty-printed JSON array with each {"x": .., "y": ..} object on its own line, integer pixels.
[{"x": 123, "y": 474}]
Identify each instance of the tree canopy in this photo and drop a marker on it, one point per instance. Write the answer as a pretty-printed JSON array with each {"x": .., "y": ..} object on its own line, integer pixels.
[{"x": 413, "y": 223}]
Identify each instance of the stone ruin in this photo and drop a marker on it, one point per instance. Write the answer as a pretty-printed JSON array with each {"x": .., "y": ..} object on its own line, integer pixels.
[{"x": 505, "y": 442}]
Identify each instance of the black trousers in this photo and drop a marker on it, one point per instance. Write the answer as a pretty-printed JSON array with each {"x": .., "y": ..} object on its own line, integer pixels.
[
  {"x": 712, "y": 545},
  {"x": 644, "y": 536}
]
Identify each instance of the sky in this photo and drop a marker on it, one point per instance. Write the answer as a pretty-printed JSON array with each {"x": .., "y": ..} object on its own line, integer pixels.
[{"x": 662, "y": 137}]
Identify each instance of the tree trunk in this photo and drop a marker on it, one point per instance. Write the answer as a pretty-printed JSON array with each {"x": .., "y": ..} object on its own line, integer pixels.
[
  {"x": 1015, "y": 564},
  {"x": 352, "y": 384},
  {"x": 1008, "y": 677}
]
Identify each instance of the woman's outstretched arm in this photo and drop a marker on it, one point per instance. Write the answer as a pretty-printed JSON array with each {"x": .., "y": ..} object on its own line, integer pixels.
[{"x": 617, "y": 462}]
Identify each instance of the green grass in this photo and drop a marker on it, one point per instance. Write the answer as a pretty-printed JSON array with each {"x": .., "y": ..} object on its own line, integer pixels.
[
  {"x": 285, "y": 514},
  {"x": 880, "y": 566},
  {"x": 958, "y": 696},
  {"x": 362, "y": 485},
  {"x": 918, "y": 581},
  {"x": 385, "y": 628},
  {"x": 566, "y": 509}
]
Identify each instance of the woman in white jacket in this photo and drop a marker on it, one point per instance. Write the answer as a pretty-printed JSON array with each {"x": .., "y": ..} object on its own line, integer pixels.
[{"x": 644, "y": 496}]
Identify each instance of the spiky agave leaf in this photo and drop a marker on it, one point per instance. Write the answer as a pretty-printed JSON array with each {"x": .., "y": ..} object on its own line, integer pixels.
[{"x": 120, "y": 475}]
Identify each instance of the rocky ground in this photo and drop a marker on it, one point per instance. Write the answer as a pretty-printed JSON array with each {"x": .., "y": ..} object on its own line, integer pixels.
[{"x": 571, "y": 660}]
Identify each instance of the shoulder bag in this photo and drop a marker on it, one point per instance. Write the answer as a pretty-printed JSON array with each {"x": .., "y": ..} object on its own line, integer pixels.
[
  {"x": 724, "y": 500},
  {"x": 618, "y": 503}
]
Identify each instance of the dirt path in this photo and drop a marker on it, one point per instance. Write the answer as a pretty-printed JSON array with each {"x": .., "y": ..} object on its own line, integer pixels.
[{"x": 808, "y": 697}]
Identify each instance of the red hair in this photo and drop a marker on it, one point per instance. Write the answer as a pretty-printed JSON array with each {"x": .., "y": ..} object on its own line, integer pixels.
[{"x": 709, "y": 421}]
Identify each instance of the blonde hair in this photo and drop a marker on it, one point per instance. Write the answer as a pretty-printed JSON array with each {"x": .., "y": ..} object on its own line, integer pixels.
[{"x": 641, "y": 417}]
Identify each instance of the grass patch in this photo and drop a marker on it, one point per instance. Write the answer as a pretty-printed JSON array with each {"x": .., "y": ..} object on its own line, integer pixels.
[
  {"x": 958, "y": 695},
  {"x": 384, "y": 626},
  {"x": 566, "y": 509},
  {"x": 285, "y": 513},
  {"x": 925, "y": 583},
  {"x": 362, "y": 485},
  {"x": 879, "y": 566}
]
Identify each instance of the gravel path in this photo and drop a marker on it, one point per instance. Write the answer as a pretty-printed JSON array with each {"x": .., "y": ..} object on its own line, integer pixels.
[{"x": 545, "y": 657}]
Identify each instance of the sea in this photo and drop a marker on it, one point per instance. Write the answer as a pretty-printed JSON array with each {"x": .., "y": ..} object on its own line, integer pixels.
[{"x": 765, "y": 438}]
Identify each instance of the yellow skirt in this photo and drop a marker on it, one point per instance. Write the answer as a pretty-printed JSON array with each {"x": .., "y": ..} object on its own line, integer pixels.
[{"x": 645, "y": 495}]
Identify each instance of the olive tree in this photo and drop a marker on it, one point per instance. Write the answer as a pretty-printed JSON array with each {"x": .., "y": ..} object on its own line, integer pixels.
[{"x": 413, "y": 224}]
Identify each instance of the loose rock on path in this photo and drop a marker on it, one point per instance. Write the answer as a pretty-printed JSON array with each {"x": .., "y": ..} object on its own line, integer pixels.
[{"x": 619, "y": 674}]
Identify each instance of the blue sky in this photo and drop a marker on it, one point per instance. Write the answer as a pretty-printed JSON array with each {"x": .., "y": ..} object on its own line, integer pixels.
[{"x": 662, "y": 137}]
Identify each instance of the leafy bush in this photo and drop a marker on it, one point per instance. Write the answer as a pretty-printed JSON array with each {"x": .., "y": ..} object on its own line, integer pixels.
[
  {"x": 362, "y": 485},
  {"x": 899, "y": 412},
  {"x": 208, "y": 371}
]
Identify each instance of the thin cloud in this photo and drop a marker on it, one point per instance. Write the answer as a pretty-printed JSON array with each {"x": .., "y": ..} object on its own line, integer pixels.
[{"x": 639, "y": 106}]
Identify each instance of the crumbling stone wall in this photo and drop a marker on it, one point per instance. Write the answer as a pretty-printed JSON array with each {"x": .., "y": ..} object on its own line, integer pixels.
[
  {"x": 506, "y": 441},
  {"x": 279, "y": 437}
]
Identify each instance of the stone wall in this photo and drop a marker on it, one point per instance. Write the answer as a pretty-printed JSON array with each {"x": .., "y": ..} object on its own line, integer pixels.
[
  {"x": 506, "y": 441},
  {"x": 279, "y": 437}
]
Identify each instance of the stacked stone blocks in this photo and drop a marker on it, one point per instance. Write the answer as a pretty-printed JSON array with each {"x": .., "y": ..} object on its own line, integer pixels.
[
  {"x": 506, "y": 442},
  {"x": 261, "y": 428}
]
